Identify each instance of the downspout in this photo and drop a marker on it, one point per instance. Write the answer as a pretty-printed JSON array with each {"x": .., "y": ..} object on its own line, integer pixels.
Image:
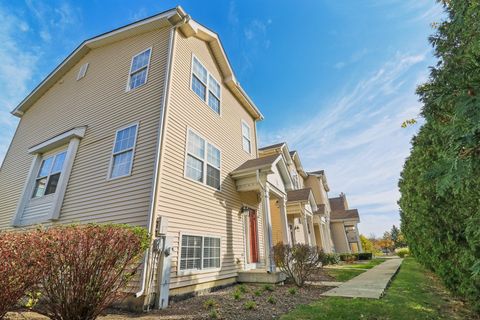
[{"x": 151, "y": 214}]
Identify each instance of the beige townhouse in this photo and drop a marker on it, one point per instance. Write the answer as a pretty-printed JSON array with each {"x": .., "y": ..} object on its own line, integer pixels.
[
  {"x": 307, "y": 206},
  {"x": 145, "y": 125},
  {"x": 344, "y": 226}
]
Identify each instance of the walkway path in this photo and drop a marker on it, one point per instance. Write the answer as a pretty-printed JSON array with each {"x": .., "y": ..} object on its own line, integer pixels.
[{"x": 370, "y": 284}]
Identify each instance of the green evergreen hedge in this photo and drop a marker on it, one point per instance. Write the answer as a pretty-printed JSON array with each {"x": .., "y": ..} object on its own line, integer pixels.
[{"x": 440, "y": 182}]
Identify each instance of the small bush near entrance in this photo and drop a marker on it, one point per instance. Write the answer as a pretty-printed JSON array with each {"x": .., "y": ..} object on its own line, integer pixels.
[
  {"x": 299, "y": 261},
  {"x": 21, "y": 267},
  {"x": 402, "y": 252},
  {"x": 88, "y": 268},
  {"x": 350, "y": 257},
  {"x": 331, "y": 258}
]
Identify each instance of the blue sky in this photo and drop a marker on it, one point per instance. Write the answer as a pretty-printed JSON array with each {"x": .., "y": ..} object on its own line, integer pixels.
[{"x": 335, "y": 79}]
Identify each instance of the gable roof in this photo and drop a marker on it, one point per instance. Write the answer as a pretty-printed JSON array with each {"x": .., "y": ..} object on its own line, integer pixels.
[
  {"x": 351, "y": 214},
  {"x": 337, "y": 204},
  {"x": 299, "y": 195},
  {"x": 173, "y": 17},
  {"x": 273, "y": 146},
  {"x": 258, "y": 163}
]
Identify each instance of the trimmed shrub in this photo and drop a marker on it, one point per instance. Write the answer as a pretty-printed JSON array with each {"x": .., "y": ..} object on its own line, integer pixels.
[
  {"x": 330, "y": 259},
  {"x": 299, "y": 261},
  {"x": 88, "y": 268},
  {"x": 365, "y": 256},
  {"x": 402, "y": 252},
  {"x": 348, "y": 257},
  {"x": 21, "y": 267}
]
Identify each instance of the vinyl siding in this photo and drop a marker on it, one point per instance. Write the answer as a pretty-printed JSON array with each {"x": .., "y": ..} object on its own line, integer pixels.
[
  {"x": 190, "y": 206},
  {"x": 100, "y": 102}
]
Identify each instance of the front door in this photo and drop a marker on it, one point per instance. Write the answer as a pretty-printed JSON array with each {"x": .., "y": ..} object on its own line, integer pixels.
[{"x": 253, "y": 235}]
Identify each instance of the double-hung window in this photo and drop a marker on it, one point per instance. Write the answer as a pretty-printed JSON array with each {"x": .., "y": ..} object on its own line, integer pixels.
[
  {"x": 139, "y": 69},
  {"x": 199, "y": 253},
  {"x": 48, "y": 175},
  {"x": 205, "y": 85},
  {"x": 123, "y": 151},
  {"x": 203, "y": 161},
  {"x": 246, "y": 140}
]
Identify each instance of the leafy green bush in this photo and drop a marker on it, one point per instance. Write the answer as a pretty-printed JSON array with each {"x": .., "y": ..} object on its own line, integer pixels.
[
  {"x": 213, "y": 314},
  {"x": 242, "y": 288},
  {"x": 402, "y": 252},
  {"x": 348, "y": 257},
  {"x": 365, "y": 256},
  {"x": 330, "y": 259},
  {"x": 257, "y": 293},
  {"x": 249, "y": 305},
  {"x": 292, "y": 291},
  {"x": 440, "y": 180}
]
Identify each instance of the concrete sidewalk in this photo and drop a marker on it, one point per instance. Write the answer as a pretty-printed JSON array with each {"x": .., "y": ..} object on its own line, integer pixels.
[{"x": 370, "y": 284}]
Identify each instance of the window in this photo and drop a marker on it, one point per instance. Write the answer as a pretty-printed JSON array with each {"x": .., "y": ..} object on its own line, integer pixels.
[
  {"x": 247, "y": 146},
  {"x": 139, "y": 69},
  {"x": 123, "y": 151},
  {"x": 199, "y": 252},
  {"x": 48, "y": 175},
  {"x": 82, "y": 71},
  {"x": 203, "y": 161},
  {"x": 201, "y": 80}
]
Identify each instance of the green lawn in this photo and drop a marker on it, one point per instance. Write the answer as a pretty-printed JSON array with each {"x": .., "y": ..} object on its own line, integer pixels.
[
  {"x": 343, "y": 275},
  {"x": 348, "y": 271},
  {"x": 414, "y": 294}
]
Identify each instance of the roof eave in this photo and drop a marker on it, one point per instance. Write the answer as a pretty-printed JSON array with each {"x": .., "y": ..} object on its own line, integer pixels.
[{"x": 81, "y": 51}]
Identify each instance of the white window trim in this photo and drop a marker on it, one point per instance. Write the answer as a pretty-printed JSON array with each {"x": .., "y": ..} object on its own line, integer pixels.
[
  {"x": 72, "y": 138},
  {"x": 248, "y": 138},
  {"x": 206, "y": 86},
  {"x": 191, "y": 271},
  {"x": 54, "y": 155},
  {"x": 112, "y": 154},
  {"x": 205, "y": 163},
  {"x": 127, "y": 89}
]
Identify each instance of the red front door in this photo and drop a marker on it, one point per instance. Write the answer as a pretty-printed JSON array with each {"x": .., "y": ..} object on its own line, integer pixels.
[{"x": 252, "y": 217}]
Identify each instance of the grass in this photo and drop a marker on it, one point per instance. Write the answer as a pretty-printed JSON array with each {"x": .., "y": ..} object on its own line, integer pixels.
[
  {"x": 414, "y": 294},
  {"x": 346, "y": 272},
  {"x": 343, "y": 275}
]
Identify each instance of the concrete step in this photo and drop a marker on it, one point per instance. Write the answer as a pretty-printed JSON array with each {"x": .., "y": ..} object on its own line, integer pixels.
[{"x": 260, "y": 276}]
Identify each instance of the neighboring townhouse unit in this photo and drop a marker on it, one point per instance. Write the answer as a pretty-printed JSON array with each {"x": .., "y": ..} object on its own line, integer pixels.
[
  {"x": 144, "y": 125},
  {"x": 308, "y": 210},
  {"x": 344, "y": 226}
]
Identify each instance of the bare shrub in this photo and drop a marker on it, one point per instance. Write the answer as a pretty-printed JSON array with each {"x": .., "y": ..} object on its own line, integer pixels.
[
  {"x": 20, "y": 267},
  {"x": 299, "y": 261},
  {"x": 88, "y": 268}
]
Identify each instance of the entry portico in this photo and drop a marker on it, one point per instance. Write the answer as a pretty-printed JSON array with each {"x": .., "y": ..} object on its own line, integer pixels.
[{"x": 269, "y": 179}]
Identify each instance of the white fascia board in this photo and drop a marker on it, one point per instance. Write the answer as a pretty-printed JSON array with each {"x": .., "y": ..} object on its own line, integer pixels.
[{"x": 59, "y": 140}]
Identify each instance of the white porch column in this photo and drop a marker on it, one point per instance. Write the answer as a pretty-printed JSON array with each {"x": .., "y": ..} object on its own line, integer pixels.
[
  {"x": 306, "y": 236},
  {"x": 313, "y": 240},
  {"x": 283, "y": 217},
  {"x": 267, "y": 227}
]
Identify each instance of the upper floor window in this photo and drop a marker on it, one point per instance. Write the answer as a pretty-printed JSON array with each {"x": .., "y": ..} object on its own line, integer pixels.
[
  {"x": 49, "y": 174},
  {"x": 246, "y": 140},
  {"x": 203, "y": 161},
  {"x": 201, "y": 81},
  {"x": 123, "y": 152},
  {"x": 139, "y": 69}
]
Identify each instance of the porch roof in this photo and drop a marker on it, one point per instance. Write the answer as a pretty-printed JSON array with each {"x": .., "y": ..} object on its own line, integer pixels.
[
  {"x": 299, "y": 195},
  {"x": 351, "y": 214},
  {"x": 258, "y": 163}
]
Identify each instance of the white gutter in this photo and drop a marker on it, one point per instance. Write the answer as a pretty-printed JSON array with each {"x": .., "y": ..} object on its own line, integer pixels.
[{"x": 151, "y": 214}]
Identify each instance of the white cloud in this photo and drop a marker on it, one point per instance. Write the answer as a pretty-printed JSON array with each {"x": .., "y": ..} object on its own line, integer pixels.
[
  {"x": 141, "y": 13},
  {"x": 357, "y": 138}
]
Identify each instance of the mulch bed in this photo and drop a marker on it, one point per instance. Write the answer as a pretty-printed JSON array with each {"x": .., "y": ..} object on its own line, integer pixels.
[
  {"x": 321, "y": 275},
  {"x": 227, "y": 306}
]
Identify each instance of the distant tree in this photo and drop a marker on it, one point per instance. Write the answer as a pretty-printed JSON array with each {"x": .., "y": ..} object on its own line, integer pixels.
[
  {"x": 397, "y": 237},
  {"x": 367, "y": 245}
]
